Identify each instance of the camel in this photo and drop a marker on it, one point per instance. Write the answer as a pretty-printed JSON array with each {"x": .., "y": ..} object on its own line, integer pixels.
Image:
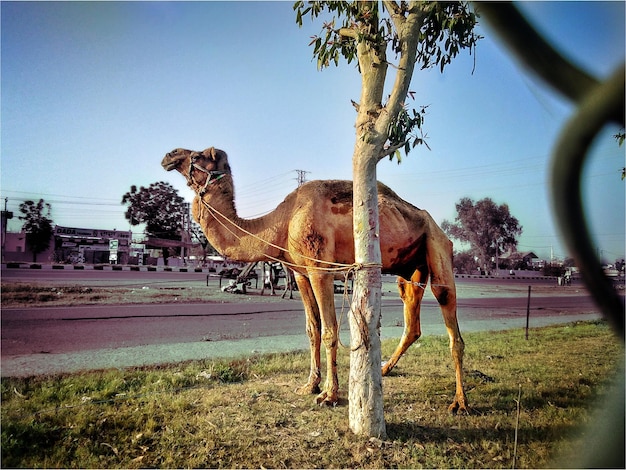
[{"x": 311, "y": 231}]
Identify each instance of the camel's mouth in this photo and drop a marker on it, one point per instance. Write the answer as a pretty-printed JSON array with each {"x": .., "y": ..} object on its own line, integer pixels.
[
  {"x": 169, "y": 165},
  {"x": 173, "y": 160}
]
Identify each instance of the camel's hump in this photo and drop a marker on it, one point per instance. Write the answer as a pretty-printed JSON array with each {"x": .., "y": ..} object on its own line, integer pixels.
[{"x": 340, "y": 191}]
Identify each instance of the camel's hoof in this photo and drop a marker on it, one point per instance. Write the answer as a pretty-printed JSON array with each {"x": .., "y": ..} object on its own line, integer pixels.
[
  {"x": 386, "y": 367},
  {"x": 459, "y": 407},
  {"x": 308, "y": 389},
  {"x": 324, "y": 399}
]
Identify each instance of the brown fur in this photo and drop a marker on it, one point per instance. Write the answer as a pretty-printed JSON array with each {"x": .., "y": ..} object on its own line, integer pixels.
[{"x": 314, "y": 223}]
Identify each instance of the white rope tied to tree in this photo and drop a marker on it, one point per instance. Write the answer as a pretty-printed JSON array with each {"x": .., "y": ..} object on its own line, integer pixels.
[
  {"x": 348, "y": 269},
  {"x": 420, "y": 284}
]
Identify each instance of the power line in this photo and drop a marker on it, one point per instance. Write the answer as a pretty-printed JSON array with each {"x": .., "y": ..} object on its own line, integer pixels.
[{"x": 40, "y": 195}]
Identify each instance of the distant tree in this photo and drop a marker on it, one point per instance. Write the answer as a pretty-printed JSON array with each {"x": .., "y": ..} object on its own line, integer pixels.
[
  {"x": 490, "y": 229},
  {"x": 37, "y": 226},
  {"x": 569, "y": 262},
  {"x": 465, "y": 262},
  {"x": 553, "y": 270},
  {"x": 200, "y": 237},
  {"x": 160, "y": 207}
]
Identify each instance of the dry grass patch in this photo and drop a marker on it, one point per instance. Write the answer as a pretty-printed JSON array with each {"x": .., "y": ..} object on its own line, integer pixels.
[
  {"x": 243, "y": 413},
  {"x": 16, "y": 295}
]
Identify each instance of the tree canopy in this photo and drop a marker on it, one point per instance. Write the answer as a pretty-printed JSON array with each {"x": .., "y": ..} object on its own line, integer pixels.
[
  {"x": 159, "y": 206},
  {"x": 490, "y": 229},
  {"x": 37, "y": 225},
  {"x": 427, "y": 34}
]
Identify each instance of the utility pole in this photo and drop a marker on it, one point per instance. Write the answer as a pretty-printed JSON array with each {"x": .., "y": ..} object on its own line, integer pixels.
[
  {"x": 185, "y": 226},
  {"x": 301, "y": 177},
  {"x": 497, "y": 267},
  {"x": 6, "y": 215}
]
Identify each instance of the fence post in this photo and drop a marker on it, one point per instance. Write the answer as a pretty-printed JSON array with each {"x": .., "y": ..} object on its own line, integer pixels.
[{"x": 527, "y": 312}]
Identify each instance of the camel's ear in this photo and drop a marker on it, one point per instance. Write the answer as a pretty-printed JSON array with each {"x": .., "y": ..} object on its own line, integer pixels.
[
  {"x": 219, "y": 157},
  {"x": 212, "y": 153}
]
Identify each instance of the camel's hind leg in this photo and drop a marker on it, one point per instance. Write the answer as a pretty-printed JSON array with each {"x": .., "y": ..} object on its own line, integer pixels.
[
  {"x": 411, "y": 293},
  {"x": 314, "y": 332},
  {"x": 439, "y": 254}
]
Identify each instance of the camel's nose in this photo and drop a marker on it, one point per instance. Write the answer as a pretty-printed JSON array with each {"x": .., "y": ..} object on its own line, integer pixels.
[{"x": 172, "y": 160}]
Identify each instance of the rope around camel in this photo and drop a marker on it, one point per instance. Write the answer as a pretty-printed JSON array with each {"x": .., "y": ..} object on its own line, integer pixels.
[{"x": 348, "y": 269}]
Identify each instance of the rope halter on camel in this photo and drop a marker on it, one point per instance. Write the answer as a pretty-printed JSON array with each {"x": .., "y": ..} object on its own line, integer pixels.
[{"x": 212, "y": 176}]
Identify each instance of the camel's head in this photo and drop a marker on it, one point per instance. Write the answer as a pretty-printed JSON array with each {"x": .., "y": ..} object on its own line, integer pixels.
[{"x": 200, "y": 168}]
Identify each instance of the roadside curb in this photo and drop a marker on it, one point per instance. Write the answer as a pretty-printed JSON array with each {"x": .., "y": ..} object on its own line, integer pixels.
[
  {"x": 105, "y": 267},
  {"x": 188, "y": 269},
  {"x": 506, "y": 277}
]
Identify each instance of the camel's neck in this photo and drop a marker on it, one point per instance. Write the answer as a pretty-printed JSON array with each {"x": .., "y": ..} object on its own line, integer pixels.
[{"x": 233, "y": 237}]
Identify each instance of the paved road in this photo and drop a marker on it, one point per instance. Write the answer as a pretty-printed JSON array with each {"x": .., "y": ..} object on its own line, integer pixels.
[
  {"x": 64, "y": 339},
  {"x": 65, "y": 330}
]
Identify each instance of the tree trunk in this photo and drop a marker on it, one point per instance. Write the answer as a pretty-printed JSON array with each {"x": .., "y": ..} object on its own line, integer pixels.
[
  {"x": 372, "y": 127},
  {"x": 366, "y": 381}
]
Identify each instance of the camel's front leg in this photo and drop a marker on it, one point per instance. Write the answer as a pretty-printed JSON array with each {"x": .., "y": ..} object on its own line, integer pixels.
[
  {"x": 411, "y": 293},
  {"x": 313, "y": 330},
  {"x": 322, "y": 284}
]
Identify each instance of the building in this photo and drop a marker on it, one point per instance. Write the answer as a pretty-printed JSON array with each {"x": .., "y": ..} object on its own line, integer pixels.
[
  {"x": 91, "y": 246},
  {"x": 73, "y": 246},
  {"x": 518, "y": 260}
]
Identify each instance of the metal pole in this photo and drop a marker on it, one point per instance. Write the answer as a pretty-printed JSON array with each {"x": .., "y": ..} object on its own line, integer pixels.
[
  {"x": 5, "y": 221},
  {"x": 527, "y": 312}
]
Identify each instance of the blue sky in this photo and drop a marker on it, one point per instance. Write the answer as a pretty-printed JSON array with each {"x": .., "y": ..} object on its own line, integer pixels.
[{"x": 94, "y": 94}]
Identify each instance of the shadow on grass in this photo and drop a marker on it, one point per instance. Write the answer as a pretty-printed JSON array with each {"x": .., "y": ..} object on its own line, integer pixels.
[{"x": 504, "y": 434}]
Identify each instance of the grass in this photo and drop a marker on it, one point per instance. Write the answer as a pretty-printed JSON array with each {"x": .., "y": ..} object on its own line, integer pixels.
[{"x": 243, "y": 412}]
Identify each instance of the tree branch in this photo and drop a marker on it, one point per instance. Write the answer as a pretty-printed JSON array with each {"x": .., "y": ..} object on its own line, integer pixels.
[
  {"x": 348, "y": 32},
  {"x": 392, "y": 8},
  {"x": 406, "y": 29},
  {"x": 395, "y": 12},
  {"x": 390, "y": 150}
]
